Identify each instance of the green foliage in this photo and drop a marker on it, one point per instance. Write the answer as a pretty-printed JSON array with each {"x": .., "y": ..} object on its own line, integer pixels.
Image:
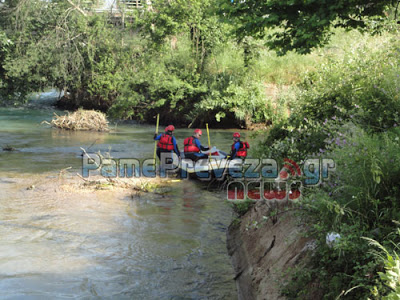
[
  {"x": 195, "y": 18},
  {"x": 284, "y": 140},
  {"x": 301, "y": 25},
  {"x": 287, "y": 70},
  {"x": 359, "y": 200},
  {"x": 352, "y": 88},
  {"x": 358, "y": 86},
  {"x": 56, "y": 45},
  {"x": 390, "y": 279},
  {"x": 244, "y": 99},
  {"x": 175, "y": 59},
  {"x": 368, "y": 176},
  {"x": 172, "y": 84},
  {"x": 5, "y": 45},
  {"x": 240, "y": 207},
  {"x": 169, "y": 85},
  {"x": 346, "y": 109}
]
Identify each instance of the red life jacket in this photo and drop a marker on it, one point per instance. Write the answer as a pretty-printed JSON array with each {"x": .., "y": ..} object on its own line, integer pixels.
[
  {"x": 189, "y": 145},
  {"x": 166, "y": 142},
  {"x": 242, "y": 152}
]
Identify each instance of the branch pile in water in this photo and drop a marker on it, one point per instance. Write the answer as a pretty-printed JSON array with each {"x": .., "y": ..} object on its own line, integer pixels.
[{"x": 81, "y": 120}]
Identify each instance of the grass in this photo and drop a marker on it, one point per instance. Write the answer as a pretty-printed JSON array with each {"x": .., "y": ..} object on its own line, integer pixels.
[{"x": 290, "y": 69}]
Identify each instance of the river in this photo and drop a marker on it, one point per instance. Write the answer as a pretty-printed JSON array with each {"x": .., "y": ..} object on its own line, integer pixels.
[{"x": 104, "y": 245}]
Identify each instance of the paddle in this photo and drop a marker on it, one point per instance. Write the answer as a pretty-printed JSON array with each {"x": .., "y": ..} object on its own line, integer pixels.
[
  {"x": 209, "y": 143},
  {"x": 155, "y": 142}
]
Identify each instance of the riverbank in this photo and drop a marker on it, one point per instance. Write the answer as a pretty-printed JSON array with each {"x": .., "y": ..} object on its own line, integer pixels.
[{"x": 265, "y": 245}]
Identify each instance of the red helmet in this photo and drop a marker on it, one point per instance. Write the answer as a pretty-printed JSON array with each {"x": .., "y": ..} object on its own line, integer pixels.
[
  {"x": 198, "y": 131},
  {"x": 170, "y": 128},
  {"x": 236, "y": 135}
]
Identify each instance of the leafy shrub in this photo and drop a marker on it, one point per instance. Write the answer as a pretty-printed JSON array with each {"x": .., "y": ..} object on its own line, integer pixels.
[
  {"x": 244, "y": 98},
  {"x": 308, "y": 138},
  {"x": 346, "y": 109},
  {"x": 357, "y": 87},
  {"x": 240, "y": 207},
  {"x": 366, "y": 178},
  {"x": 172, "y": 86},
  {"x": 359, "y": 200},
  {"x": 390, "y": 279}
]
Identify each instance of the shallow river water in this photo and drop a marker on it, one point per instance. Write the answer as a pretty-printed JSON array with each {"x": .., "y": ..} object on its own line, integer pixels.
[{"x": 104, "y": 245}]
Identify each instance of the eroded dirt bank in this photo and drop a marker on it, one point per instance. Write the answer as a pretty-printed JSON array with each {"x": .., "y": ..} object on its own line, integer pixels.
[{"x": 266, "y": 244}]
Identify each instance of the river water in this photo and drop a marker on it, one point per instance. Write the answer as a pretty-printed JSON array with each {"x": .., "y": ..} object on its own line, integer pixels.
[{"x": 104, "y": 245}]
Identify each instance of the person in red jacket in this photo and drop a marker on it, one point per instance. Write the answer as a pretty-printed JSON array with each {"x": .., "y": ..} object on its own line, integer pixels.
[
  {"x": 193, "y": 147},
  {"x": 239, "y": 149},
  {"x": 167, "y": 142}
]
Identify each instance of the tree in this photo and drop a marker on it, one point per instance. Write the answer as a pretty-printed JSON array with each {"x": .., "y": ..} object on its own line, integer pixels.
[
  {"x": 197, "y": 19},
  {"x": 301, "y": 25},
  {"x": 57, "y": 44}
]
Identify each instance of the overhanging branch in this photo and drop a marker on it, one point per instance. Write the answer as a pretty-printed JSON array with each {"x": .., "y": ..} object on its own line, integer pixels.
[{"x": 77, "y": 7}]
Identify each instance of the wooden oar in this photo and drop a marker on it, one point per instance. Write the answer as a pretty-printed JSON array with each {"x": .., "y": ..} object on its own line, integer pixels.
[{"x": 155, "y": 142}]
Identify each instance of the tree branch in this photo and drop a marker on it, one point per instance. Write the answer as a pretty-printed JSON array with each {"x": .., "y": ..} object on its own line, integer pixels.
[
  {"x": 77, "y": 7},
  {"x": 395, "y": 13}
]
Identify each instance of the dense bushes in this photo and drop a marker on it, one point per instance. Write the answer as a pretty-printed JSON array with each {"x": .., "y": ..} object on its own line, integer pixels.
[
  {"x": 177, "y": 59},
  {"x": 347, "y": 110},
  {"x": 360, "y": 200},
  {"x": 362, "y": 87},
  {"x": 364, "y": 82},
  {"x": 172, "y": 86}
]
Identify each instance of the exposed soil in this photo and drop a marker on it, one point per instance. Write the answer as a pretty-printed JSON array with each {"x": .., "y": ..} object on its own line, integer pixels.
[{"x": 264, "y": 246}]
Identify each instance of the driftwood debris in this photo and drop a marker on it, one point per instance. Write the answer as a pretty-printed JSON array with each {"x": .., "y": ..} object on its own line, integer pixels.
[
  {"x": 81, "y": 120},
  {"x": 8, "y": 148}
]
